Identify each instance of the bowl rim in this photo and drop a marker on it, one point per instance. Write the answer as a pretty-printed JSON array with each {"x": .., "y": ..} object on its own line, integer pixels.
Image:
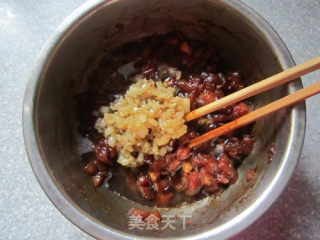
[{"x": 94, "y": 228}]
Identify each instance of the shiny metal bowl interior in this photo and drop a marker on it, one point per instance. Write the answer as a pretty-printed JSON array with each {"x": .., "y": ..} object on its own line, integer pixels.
[{"x": 249, "y": 44}]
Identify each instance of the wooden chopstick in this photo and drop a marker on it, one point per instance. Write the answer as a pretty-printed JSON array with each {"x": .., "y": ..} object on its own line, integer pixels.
[
  {"x": 264, "y": 85},
  {"x": 257, "y": 114}
]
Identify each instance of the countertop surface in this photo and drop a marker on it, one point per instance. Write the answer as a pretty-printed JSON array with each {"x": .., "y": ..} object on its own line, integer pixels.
[{"x": 26, "y": 212}]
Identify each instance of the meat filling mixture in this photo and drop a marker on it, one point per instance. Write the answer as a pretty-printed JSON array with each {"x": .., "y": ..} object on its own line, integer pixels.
[{"x": 133, "y": 113}]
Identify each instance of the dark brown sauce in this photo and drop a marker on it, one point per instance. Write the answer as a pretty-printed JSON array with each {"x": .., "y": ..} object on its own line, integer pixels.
[{"x": 183, "y": 175}]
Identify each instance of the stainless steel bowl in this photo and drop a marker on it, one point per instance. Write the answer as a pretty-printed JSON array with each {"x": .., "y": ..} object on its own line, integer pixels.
[{"x": 61, "y": 70}]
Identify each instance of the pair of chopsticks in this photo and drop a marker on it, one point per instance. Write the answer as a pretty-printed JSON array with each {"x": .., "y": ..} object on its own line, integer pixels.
[{"x": 259, "y": 87}]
